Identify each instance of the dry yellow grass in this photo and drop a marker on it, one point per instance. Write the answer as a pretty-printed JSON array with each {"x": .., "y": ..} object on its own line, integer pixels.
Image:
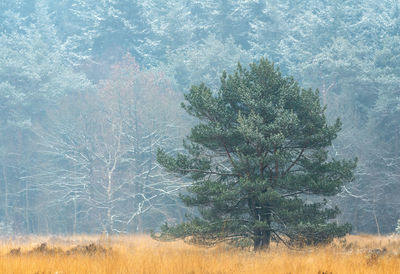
[{"x": 141, "y": 254}]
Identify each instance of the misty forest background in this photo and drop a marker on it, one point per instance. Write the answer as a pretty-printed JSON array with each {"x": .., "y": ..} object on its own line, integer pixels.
[{"x": 90, "y": 89}]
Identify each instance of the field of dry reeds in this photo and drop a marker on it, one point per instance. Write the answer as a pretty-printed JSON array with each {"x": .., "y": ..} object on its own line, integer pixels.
[{"x": 141, "y": 254}]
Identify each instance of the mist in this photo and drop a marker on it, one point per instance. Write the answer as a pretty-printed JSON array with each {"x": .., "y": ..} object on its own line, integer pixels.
[{"x": 90, "y": 90}]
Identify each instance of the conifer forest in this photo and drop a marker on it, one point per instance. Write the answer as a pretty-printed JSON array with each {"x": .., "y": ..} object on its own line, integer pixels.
[{"x": 214, "y": 119}]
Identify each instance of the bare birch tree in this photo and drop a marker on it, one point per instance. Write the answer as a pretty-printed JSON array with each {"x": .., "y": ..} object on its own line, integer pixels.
[{"x": 101, "y": 152}]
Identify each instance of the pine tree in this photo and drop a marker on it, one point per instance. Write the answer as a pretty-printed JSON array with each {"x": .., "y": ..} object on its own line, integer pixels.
[{"x": 259, "y": 161}]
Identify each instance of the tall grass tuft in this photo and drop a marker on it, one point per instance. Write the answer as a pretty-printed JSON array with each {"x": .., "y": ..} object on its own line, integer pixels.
[{"x": 141, "y": 254}]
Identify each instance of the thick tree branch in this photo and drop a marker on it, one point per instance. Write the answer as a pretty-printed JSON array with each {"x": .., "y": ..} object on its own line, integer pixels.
[
  {"x": 209, "y": 172},
  {"x": 229, "y": 155},
  {"x": 293, "y": 194},
  {"x": 295, "y": 162}
]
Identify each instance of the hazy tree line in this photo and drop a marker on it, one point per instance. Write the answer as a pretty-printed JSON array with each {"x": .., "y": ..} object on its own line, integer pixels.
[{"x": 90, "y": 89}]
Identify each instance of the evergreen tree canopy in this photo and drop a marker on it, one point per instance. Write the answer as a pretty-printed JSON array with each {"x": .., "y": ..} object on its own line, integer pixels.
[{"x": 259, "y": 161}]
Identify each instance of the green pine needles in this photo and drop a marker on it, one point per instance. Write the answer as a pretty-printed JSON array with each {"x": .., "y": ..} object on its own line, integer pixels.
[{"x": 259, "y": 162}]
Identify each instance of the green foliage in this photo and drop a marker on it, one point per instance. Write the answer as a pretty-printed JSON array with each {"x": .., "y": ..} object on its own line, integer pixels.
[{"x": 259, "y": 161}]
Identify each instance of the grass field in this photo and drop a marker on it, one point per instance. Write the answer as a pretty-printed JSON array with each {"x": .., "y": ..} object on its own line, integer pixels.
[{"x": 141, "y": 254}]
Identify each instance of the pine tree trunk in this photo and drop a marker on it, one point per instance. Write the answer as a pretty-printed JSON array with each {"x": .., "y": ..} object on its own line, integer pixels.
[
  {"x": 262, "y": 235},
  {"x": 262, "y": 240}
]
